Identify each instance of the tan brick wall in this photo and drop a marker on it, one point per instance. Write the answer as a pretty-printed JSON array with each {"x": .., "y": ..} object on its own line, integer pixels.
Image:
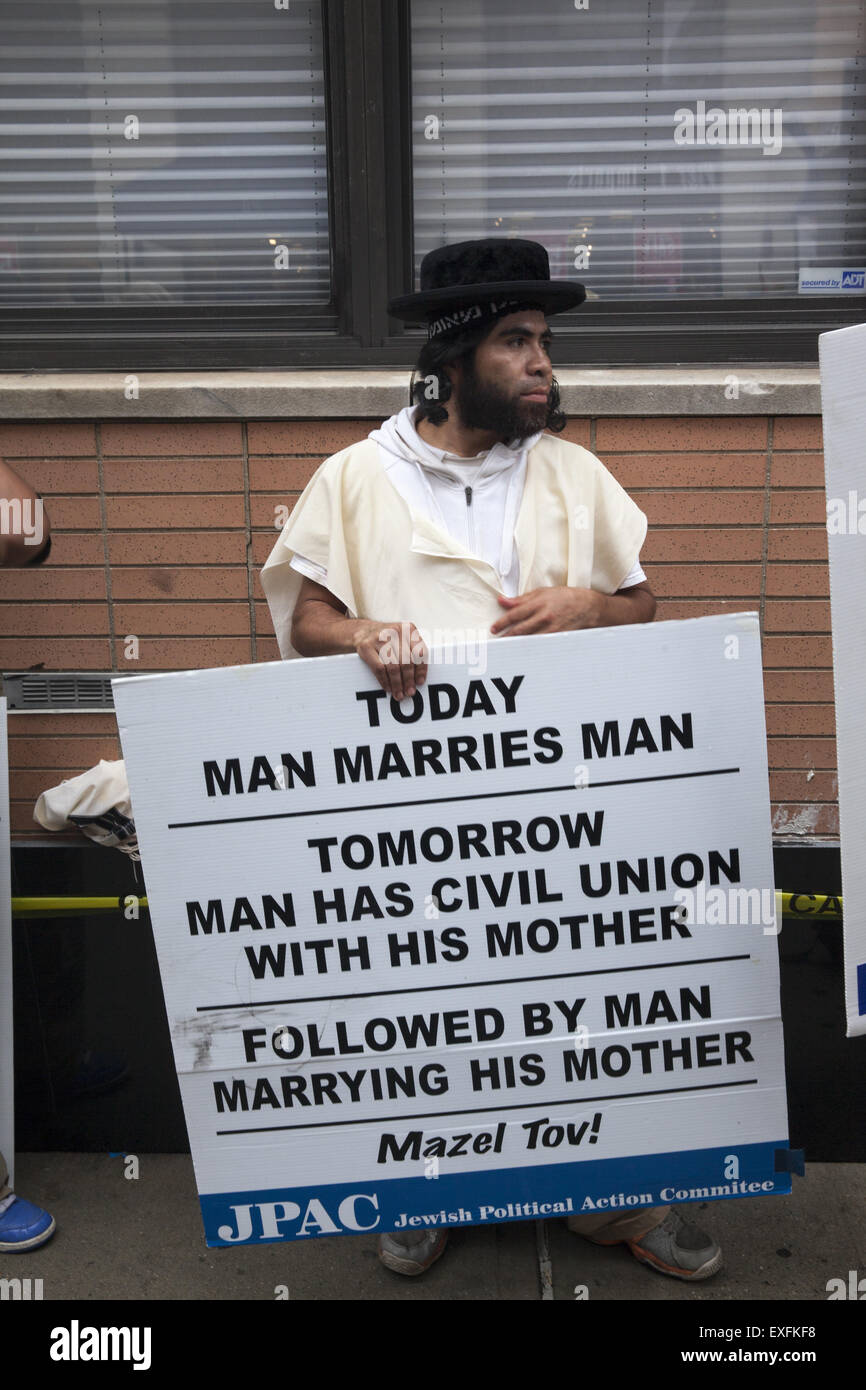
[{"x": 159, "y": 531}]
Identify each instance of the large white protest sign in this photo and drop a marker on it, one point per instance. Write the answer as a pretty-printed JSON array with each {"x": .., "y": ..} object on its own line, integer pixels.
[
  {"x": 504, "y": 950},
  {"x": 7, "y": 1078},
  {"x": 843, "y": 371}
]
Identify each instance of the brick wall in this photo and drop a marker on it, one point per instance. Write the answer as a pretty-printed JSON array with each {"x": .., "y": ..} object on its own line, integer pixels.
[{"x": 159, "y": 531}]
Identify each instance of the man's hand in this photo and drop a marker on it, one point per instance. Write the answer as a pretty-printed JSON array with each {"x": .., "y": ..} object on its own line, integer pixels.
[
  {"x": 565, "y": 610},
  {"x": 547, "y": 610},
  {"x": 395, "y": 653}
]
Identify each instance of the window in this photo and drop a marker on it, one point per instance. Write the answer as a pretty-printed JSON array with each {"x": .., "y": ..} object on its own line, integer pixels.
[
  {"x": 169, "y": 152},
  {"x": 667, "y": 154},
  {"x": 187, "y": 183},
  {"x": 244, "y": 183}
]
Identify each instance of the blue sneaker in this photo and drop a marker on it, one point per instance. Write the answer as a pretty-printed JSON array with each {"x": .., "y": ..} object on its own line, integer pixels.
[{"x": 22, "y": 1225}]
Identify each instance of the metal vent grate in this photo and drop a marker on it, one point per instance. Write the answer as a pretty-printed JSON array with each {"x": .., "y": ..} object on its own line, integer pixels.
[{"x": 58, "y": 690}]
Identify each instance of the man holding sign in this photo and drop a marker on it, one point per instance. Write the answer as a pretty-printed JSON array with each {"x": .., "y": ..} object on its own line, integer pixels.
[{"x": 466, "y": 521}]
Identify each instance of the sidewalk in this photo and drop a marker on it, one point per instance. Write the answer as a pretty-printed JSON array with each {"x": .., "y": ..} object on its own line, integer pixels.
[{"x": 142, "y": 1239}]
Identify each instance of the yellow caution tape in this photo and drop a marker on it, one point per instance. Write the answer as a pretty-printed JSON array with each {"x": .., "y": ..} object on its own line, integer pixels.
[
  {"x": 74, "y": 907},
  {"x": 826, "y": 907}
]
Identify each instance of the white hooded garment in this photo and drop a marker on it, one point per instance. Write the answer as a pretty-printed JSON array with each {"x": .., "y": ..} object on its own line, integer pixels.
[{"x": 387, "y": 525}]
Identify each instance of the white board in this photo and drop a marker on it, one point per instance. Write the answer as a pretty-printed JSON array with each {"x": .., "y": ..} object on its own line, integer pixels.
[
  {"x": 514, "y": 1020},
  {"x": 843, "y": 399}
]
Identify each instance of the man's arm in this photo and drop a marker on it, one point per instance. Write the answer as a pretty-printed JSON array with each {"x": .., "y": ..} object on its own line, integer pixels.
[
  {"x": 320, "y": 626},
  {"x": 639, "y": 606},
  {"x": 565, "y": 610},
  {"x": 395, "y": 652}
]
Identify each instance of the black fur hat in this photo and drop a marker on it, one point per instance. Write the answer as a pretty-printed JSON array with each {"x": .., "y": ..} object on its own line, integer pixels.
[{"x": 482, "y": 279}]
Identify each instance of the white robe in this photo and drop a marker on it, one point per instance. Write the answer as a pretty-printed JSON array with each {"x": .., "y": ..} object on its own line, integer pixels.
[{"x": 387, "y": 559}]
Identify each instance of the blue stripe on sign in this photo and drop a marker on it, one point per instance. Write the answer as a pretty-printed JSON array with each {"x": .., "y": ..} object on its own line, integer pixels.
[
  {"x": 508, "y": 1194},
  {"x": 861, "y": 989}
]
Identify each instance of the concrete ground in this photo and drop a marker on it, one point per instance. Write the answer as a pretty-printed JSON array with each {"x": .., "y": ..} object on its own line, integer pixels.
[{"x": 120, "y": 1238}]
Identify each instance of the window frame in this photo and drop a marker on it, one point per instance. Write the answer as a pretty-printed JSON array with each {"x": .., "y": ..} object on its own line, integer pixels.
[
  {"x": 270, "y": 337},
  {"x": 369, "y": 144}
]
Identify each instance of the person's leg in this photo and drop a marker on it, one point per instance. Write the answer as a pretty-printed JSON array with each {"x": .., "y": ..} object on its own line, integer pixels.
[
  {"x": 606, "y": 1228},
  {"x": 22, "y": 1225},
  {"x": 411, "y": 1252},
  {"x": 658, "y": 1237}
]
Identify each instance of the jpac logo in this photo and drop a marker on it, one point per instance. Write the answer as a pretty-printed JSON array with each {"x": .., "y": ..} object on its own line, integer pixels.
[
  {"x": 316, "y": 1221},
  {"x": 854, "y": 279},
  {"x": 855, "y": 1288}
]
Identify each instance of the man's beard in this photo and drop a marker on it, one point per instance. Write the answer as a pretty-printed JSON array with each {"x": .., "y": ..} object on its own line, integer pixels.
[{"x": 486, "y": 406}]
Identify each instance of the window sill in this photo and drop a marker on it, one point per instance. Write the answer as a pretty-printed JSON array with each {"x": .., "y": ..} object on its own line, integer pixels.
[{"x": 375, "y": 393}]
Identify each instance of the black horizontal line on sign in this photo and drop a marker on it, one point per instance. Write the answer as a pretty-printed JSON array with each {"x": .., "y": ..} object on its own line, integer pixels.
[
  {"x": 441, "y": 800},
  {"x": 489, "y": 1109},
  {"x": 469, "y": 984}
]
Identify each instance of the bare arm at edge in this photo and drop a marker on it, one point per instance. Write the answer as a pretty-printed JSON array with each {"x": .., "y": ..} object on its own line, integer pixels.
[{"x": 24, "y": 528}]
